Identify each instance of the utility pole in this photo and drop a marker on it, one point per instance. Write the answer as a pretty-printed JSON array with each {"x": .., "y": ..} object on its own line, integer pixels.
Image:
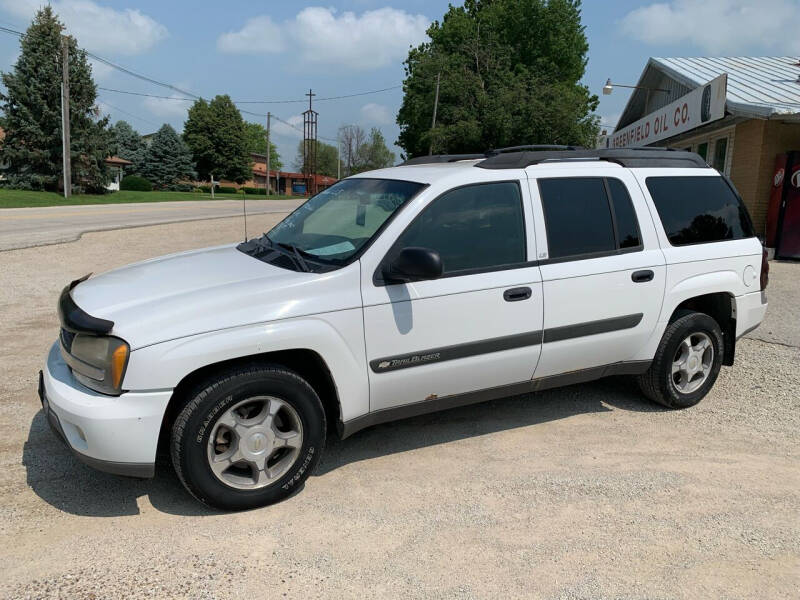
[
  {"x": 269, "y": 116},
  {"x": 339, "y": 154},
  {"x": 435, "y": 106},
  {"x": 65, "y": 143}
]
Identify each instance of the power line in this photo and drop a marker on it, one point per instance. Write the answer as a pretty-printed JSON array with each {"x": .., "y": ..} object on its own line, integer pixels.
[
  {"x": 105, "y": 89},
  {"x": 142, "y": 77},
  {"x": 394, "y": 87},
  {"x": 125, "y": 112}
]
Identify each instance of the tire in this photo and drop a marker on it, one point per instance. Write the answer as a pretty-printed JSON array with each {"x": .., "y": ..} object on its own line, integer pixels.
[
  {"x": 251, "y": 410},
  {"x": 659, "y": 383}
]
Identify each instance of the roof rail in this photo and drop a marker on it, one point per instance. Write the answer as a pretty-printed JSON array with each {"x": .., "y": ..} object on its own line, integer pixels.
[
  {"x": 533, "y": 147},
  {"x": 440, "y": 158},
  {"x": 627, "y": 157}
]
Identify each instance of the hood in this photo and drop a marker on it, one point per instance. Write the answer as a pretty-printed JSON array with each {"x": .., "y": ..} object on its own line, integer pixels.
[{"x": 206, "y": 290}]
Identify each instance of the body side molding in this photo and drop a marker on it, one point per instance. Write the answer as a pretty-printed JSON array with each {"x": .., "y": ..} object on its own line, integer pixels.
[{"x": 509, "y": 342}]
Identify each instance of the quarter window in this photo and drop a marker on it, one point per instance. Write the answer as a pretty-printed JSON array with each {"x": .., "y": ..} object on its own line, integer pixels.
[
  {"x": 473, "y": 227},
  {"x": 582, "y": 219},
  {"x": 695, "y": 210}
]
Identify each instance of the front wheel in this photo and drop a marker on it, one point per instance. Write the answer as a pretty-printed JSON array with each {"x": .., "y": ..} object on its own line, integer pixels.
[
  {"x": 249, "y": 437},
  {"x": 687, "y": 362}
]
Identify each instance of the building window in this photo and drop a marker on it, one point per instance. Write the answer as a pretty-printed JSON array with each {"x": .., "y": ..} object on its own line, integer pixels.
[
  {"x": 702, "y": 150},
  {"x": 720, "y": 153}
]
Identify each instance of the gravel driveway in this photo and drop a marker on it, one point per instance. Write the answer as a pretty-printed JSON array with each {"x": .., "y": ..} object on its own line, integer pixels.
[{"x": 582, "y": 492}]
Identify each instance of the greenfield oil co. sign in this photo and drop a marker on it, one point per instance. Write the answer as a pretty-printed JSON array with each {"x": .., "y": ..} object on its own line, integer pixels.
[{"x": 700, "y": 106}]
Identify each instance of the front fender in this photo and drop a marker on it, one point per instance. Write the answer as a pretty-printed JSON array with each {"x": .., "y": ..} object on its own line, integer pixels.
[{"x": 337, "y": 337}]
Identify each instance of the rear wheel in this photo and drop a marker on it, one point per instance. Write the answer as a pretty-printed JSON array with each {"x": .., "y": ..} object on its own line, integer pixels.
[
  {"x": 687, "y": 362},
  {"x": 249, "y": 437}
]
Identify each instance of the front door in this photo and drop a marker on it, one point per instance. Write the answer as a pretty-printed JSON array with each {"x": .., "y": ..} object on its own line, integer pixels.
[
  {"x": 602, "y": 268},
  {"x": 479, "y": 325}
]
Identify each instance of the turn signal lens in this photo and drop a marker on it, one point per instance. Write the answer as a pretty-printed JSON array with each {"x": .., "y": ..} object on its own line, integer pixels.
[{"x": 119, "y": 359}]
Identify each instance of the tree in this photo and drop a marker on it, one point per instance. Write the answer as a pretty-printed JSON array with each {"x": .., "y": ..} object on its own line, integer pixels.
[
  {"x": 351, "y": 140},
  {"x": 256, "y": 139},
  {"x": 32, "y": 149},
  {"x": 374, "y": 154},
  {"x": 128, "y": 144},
  {"x": 215, "y": 133},
  {"x": 510, "y": 73},
  {"x": 167, "y": 159},
  {"x": 326, "y": 159}
]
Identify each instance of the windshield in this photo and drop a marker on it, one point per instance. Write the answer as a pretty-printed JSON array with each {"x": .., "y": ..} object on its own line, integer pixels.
[{"x": 335, "y": 224}]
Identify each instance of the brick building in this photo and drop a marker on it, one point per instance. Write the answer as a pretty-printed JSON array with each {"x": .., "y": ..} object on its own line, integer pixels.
[
  {"x": 737, "y": 113},
  {"x": 287, "y": 182}
]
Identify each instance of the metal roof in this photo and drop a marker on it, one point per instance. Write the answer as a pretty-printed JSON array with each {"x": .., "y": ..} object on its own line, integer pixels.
[{"x": 758, "y": 86}]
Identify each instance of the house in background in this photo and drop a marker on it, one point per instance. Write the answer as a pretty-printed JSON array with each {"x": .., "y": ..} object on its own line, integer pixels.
[{"x": 116, "y": 166}]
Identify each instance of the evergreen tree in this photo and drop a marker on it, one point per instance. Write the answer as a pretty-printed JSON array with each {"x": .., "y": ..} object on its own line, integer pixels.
[
  {"x": 510, "y": 74},
  {"x": 256, "y": 139},
  {"x": 215, "y": 133},
  {"x": 32, "y": 148},
  {"x": 128, "y": 144},
  {"x": 167, "y": 159}
]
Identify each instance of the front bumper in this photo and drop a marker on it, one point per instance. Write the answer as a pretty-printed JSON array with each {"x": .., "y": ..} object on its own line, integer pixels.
[{"x": 115, "y": 434}]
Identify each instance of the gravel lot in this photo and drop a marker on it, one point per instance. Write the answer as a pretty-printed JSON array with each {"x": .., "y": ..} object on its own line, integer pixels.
[{"x": 582, "y": 492}]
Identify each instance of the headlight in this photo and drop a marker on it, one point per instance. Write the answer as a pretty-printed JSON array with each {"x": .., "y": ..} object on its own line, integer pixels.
[{"x": 98, "y": 362}]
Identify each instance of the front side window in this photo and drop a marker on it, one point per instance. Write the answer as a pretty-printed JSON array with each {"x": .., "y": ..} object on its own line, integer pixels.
[
  {"x": 473, "y": 227},
  {"x": 695, "y": 210},
  {"x": 334, "y": 225}
]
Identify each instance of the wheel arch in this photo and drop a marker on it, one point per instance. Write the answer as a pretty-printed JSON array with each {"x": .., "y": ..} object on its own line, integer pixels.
[
  {"x": 307, "y": 363},
  {"x": 722, "y": 308}
]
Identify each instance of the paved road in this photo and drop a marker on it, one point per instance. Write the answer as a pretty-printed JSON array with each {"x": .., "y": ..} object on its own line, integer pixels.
[
  {"x": 26, "y": 227},
  {"x": 583, "y": 492}
]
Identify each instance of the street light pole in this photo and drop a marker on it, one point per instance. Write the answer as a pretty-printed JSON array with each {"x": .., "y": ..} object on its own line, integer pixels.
[{"x": 65, "y": 141}]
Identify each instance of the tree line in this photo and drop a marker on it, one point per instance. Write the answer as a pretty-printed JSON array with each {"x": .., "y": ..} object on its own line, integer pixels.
[{"x": 216, "y": 141}]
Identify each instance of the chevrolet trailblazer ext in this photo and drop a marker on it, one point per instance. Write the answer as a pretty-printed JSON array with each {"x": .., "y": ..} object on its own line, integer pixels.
[{"x": 441, "y": 282}]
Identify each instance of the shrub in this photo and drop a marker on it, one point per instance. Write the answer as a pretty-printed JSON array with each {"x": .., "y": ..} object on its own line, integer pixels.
[
  {"x": 197, "y": 190},
  {"x": 135, "y": 183},
  {"x": 205, "y": 188},
  {"x": 253, "y": 191},
  {"x": 225, "y": 189},
  {"x": 182, "y": 187}
]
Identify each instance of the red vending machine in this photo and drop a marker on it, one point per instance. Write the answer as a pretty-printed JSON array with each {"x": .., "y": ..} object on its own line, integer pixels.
[{"x": 783, "y": 213}]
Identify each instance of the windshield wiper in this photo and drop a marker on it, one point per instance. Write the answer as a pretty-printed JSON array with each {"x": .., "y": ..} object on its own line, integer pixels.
[{"x": 301, "y": 262}]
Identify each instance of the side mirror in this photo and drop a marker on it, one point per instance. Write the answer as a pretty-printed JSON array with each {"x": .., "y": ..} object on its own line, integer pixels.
[{"x": 413, "y": 264}]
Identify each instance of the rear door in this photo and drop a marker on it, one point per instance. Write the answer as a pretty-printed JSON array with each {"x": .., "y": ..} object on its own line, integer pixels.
[
  {"x": 479, "y": 325},
  {"x": 603, "y": 272}
]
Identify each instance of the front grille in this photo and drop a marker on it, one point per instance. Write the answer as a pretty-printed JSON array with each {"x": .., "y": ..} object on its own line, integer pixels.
[{"x": 66, "y": 339}]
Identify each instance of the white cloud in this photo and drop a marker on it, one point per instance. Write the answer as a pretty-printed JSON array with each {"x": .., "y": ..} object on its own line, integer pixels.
[
  {"x": 377, "y": 114},
  {"x": 322, "y": 36},
  {"x": 718, "y": 26},
  {"x": 164, "y": 107},
  {"x": 259, "y": 35},
  {"x": 98, "y": 28},
  {"x": 294, "y": 130}
]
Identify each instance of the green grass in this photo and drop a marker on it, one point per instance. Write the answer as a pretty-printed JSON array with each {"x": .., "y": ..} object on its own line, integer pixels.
[{"x": 25, "y": 198}]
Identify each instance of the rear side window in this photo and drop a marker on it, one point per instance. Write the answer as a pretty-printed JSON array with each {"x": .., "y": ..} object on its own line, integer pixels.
[
  {"x": 587, "y": 216},
  {"x": 473, "y": 227},
  {"x": 696, "y": 210}
]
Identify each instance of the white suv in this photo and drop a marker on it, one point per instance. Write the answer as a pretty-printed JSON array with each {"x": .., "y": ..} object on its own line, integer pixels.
[{"x": 445, "y": 281}]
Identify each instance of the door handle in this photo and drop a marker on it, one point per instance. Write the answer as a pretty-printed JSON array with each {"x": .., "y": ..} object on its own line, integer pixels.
[
  {"x": 517, "y": 294},
  {"x": 642, "y": 276}
]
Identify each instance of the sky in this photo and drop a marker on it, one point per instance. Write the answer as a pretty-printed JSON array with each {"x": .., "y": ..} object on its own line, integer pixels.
[{"x": 257, "y": 51}]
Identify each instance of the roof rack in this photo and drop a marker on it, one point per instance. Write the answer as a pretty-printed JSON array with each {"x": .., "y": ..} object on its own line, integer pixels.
[
  {"x": 627, "y": 157},
  {"x": 441, "y": 158},
  {"x": 533, "y": 147}
]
